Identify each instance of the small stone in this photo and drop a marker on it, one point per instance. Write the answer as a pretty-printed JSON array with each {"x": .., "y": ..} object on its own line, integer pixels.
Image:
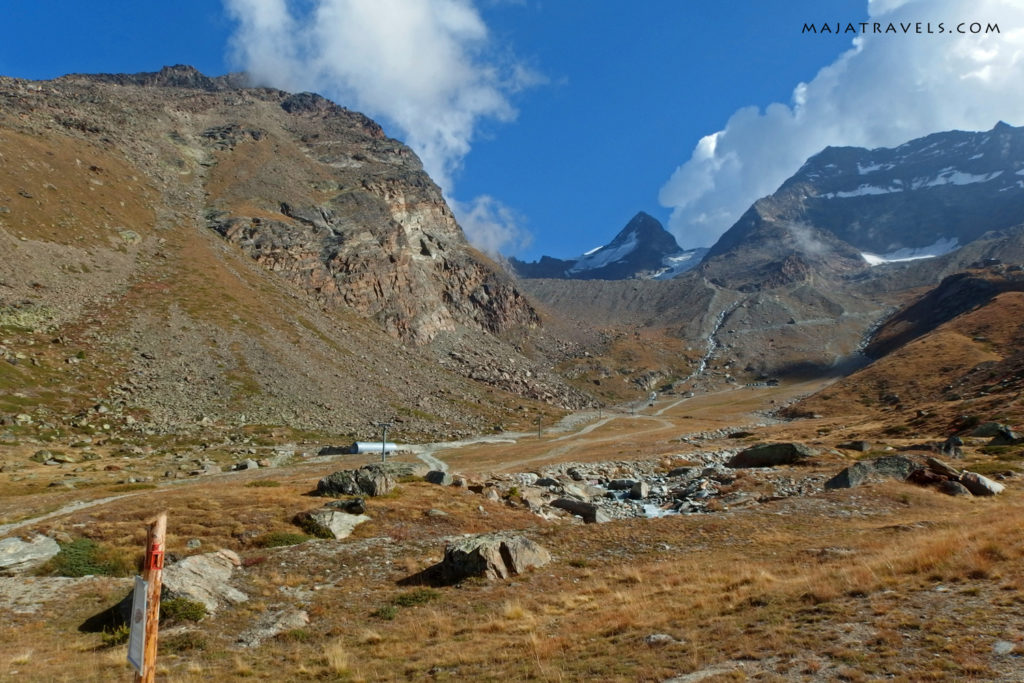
[
  {"x": 1002, "y": 647},
  {"x": 659, "y": 640}
]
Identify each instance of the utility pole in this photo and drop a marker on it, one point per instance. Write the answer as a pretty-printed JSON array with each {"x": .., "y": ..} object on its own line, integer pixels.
[
  {"x": 538, "y": 425},
  {"x": 383, "y": 439}
]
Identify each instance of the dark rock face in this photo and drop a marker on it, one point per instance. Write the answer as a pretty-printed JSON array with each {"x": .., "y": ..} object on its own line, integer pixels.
[{"x": 770, "y": 455}]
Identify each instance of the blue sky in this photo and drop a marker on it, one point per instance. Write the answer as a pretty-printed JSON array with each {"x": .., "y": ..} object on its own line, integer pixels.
[{"x": 550, "y": 123}]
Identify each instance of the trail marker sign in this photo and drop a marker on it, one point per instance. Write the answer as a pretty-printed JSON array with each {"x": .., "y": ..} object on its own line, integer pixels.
[{"x": 137, "y": 634}]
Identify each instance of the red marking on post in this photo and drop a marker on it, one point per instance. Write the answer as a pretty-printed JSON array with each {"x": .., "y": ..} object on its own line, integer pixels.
[{"x": 155, "y": 559}]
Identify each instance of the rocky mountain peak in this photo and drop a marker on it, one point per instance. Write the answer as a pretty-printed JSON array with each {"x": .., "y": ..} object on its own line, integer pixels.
[{"x": 642, "y": 249}]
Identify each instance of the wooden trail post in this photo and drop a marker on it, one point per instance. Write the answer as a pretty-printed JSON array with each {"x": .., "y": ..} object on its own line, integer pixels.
[{"x": 152, "y": 570}]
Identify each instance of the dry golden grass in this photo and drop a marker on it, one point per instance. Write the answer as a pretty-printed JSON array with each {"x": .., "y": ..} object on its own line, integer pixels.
[{"x": 858, "y": 584}]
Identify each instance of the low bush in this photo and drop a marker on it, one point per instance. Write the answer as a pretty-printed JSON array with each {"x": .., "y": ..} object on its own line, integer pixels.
[
  {"x": 85, "y": 557},
  {"x": 278, "y": 539},
  {"x": 182, "y": 609}
]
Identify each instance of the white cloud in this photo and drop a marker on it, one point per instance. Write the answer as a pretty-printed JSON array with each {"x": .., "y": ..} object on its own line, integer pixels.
[
  {"x": 424, "y": 67},
  {"x": 491, "y": 226},
  {"x": 885, "y": 90}
]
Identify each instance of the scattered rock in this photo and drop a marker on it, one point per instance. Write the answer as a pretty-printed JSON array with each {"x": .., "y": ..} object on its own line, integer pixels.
[
  {"x": 204, "y": 578},
  {"x": 953, "y": 488},
  {"x": 272, "y": 624},
  {"x": 770, "y": 455},
  {"x": 1005, "y": 437},
  {"x": 370, "y": 480},
  {"x": 891, "y": 466},
  {"x": 942, "y": 468},
  {"x": 660, "y": 640},
  {"x": 18, "y": 556},
  {"x": 356, "y": 506},
  {"x": 590, "y": 513},
  {"x": 41, "y": 456},
  {"x": 861, "y": 446},
  {"x": 640, "y": 490},
  {"x": 328, "y": 522},
  {"x": 494, "y": 556},
  {"x": 438, "y": 477},
  {"x": 980, "y": 485},
  {"x": 988, "y": 429},
  {"x": 953, "y": 447}
]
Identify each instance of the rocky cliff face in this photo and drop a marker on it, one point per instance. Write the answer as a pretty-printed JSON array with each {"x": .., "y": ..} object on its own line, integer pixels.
[{"x": 357, "y": 224}]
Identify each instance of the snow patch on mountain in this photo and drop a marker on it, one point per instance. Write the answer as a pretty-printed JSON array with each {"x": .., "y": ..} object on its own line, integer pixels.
[
  {"x": 938, "y": 248},
  {"x": 602, "y": 256},
  {"x": 680, "y": 263}
]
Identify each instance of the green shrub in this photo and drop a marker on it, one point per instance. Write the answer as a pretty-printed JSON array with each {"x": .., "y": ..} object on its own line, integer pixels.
[
  {"x": 420, "y": 596},
  {"x": 182, "y": 642},
  {"x": 387, "y": 612},
  {"x": 118, "y": 635},
  {"x": 84, "y": 557},
  {"x": 277, "y": 539},
  {"x": 182, "y": 609}
]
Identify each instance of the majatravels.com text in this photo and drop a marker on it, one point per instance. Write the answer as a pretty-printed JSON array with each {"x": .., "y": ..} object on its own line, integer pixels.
[{"x": 917, "y": 27}]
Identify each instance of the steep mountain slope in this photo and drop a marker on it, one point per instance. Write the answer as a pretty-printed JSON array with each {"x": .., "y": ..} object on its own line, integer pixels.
[
  {"x": 232, "y": 255},
  {"x": 641, "y": 250},
  {"x": 953, "y": 352}
]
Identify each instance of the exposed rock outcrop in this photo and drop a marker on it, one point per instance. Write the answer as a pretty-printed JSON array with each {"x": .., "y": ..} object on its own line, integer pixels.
[
  {"x": 494, "y": 556},
  {"x": 771, "y": 454}
]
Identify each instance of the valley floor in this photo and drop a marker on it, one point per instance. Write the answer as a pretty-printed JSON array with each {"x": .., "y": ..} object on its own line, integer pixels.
[{"x": 887, "y": 581}]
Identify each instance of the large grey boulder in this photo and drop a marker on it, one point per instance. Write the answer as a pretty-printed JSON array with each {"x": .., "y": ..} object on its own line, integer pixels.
[
  {"x": 988, "y": 429},
  {"x": 590, "y": 513},
  {"x": 494, "y": 556},
  {"x": 330, "y": 522},
  {"x": 18, "y": 555},
  {"x": 1005, "y": 437},
  {"x": 953, "y": 488},
  {"x": 980, "y": 485},
  {"x": 639, "y": 490},
  {"x": 771, "y": 454},
  {"x": 438, "y": 477},
  {"x": 204, "y": 578},
  {"x": 952, "y": 447},
  {"x": 888, "y": 466},
  {"x": 370, "y": 480}
]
